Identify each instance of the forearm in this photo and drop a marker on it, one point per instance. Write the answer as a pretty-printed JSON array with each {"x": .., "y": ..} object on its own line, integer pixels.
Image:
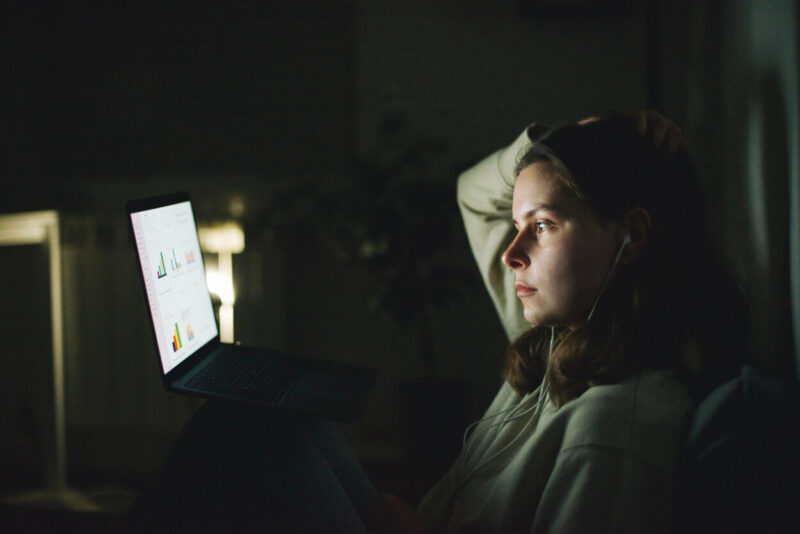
[{"x": 484, "y": 197}]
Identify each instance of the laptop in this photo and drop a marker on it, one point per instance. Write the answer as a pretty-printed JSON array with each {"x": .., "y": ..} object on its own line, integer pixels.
[{"x": 191, "y": 357}]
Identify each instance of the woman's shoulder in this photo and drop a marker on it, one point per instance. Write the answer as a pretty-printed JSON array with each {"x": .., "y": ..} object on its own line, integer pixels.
[{"x": 644, "y": 416}]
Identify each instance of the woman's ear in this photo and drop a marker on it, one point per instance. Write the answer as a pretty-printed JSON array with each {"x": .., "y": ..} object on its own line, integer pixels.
[{"x": 637, "y": 224}]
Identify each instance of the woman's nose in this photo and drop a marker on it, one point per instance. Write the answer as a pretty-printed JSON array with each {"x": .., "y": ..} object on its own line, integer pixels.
[{"x": 515, "y": 255}]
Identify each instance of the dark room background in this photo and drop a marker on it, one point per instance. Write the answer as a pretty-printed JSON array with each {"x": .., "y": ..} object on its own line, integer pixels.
[{"x": 268, "y": 112}]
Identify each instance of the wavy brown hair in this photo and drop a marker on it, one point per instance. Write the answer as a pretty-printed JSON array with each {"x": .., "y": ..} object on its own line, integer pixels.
[{"x": 675, "y": 306}]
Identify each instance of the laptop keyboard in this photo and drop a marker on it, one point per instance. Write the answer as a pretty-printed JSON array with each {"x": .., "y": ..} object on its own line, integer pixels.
[{"x": 248, "y": 375}]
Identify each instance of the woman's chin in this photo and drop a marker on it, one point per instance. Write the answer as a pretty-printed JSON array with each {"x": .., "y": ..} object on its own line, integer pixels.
[
  {"x": 534, "y": 317},
  {"x": 538, "y": 317}
]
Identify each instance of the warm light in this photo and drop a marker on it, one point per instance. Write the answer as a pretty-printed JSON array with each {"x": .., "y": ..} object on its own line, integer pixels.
[
  {"x": 225, "y": 240},
  {"x": 226, "y": 323},
  {"x": 225, "y": 237},
  {"x": 221, "y": 286},
  {"x": 26, "y": 228}
]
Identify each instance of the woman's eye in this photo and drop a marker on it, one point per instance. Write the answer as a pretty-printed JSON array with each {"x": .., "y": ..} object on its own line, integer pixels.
[{"x": 542, "y": 227}]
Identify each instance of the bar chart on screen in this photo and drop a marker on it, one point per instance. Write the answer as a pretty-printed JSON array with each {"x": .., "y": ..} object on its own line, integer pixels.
[
  {"x": 176, "y": 339},
  {"x": 173, "y": 261},
  {"x": 181, "y": 306},
  {"x": 161, "y": 269}
]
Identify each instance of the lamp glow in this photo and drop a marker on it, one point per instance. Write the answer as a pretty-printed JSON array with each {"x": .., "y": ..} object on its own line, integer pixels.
[{"x": 225, "y": 240}]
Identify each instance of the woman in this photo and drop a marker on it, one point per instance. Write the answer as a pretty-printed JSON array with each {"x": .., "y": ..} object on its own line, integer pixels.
[
  {"x": 590, "y": 240},
  {"x": 632, "y": 316}
]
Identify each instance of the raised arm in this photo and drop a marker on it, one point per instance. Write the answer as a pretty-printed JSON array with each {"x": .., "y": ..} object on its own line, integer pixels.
[
  {"x": 484, "y": 197},
  {"x": 485, "y": 193}
]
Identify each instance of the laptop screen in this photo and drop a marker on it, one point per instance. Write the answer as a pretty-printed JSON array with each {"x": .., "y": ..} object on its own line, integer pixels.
[{"x": 175, "y": 281}]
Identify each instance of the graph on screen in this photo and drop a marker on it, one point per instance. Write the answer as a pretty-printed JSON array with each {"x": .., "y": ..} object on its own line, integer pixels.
[{"x": 183, "y": 316}]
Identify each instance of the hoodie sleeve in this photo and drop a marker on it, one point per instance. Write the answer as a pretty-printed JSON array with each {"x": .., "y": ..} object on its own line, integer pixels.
[
  {"x": 604, "y": 490},
  {"x": 485, "y": 193}
]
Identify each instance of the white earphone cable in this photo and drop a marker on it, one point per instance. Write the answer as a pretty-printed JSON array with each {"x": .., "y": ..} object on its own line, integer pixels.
[{"x": 543, "y": 390}]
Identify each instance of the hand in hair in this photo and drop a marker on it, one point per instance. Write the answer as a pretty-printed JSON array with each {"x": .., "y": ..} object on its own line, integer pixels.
[{"x": 661, "y": 130}]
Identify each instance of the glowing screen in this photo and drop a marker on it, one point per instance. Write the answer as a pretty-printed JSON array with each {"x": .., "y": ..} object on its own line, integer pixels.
[{"x": 175, "y": 281}]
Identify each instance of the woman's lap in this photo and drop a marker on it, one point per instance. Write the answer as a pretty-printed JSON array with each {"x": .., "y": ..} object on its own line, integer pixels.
[{"x": 244, "y": 464}]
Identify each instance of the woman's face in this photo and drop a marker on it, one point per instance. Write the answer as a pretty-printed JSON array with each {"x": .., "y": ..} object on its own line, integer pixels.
[{"x": 561, "y": 253}]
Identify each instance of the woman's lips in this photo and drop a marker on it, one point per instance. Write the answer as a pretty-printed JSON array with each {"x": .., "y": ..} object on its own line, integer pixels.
[{"x": 523, "y": 290}]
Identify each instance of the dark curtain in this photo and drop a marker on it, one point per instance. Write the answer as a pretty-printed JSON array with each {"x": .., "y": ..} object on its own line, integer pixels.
[{"x": 731, "y": 80}]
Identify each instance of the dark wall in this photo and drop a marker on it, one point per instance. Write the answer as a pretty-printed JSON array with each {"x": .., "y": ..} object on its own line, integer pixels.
[{"x": 192, "y": 94}]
